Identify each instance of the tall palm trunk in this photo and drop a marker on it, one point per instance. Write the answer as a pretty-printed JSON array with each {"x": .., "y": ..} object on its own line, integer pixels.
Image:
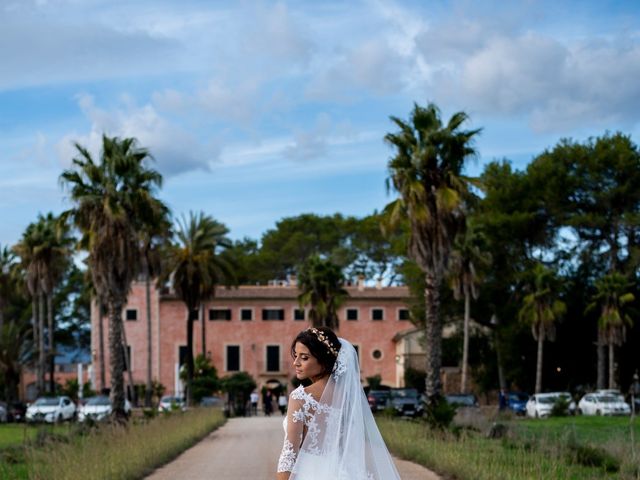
[
  {"x": 465, "y": 341},
  {"x": 116, "y": 360},
  {"x": 36, "y": 340},
  {"x": 204, "y": 331},
  {"x": 434, "y": 339},
  {"x": 612, "y": 364},
  {"x": 127, "y": 364},
  {"x": 51, "y": 354},
  {"x": 103, "y": 381},
  {"x": 148, "y": 391},
  {"x": 601, "y": 360},
  {"x": 539, "y": 359},
  {"x": 41, "y": 350},
  {"x": 189, "y": 395}
]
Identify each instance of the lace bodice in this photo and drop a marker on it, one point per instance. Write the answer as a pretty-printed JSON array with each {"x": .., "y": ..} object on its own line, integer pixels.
[{"x": 300, "y": 423}]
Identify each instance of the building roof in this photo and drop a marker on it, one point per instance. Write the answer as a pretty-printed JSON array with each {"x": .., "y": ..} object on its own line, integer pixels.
[{"x": 291, "y": 292}]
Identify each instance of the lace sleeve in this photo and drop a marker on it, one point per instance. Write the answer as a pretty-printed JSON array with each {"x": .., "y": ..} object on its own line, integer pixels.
[{"x": 293, "y": 435}]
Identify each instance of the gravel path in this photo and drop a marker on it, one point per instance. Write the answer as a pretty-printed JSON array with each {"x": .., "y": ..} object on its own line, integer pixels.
[{"x": 247, "y": 449}]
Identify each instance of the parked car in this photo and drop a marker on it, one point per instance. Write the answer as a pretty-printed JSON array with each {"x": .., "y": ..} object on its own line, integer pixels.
[
  {"x": 464, "y": 400},
  {"x": 170, "y": 402},
  {"x": 16, "y": 412},
  {"x": 541, "y": 404},
  {"x": 4, "y": 412},
  {"x": 51, "y": 410},
  {"x": 212, "y": 401},
  {"x": 406, "y": 401},
  {"x": 99, "y": 408},
  {"x": 517, "y": 402},
  {"x": 603, "y": 404},
  {"x": 379, "y": 399}
]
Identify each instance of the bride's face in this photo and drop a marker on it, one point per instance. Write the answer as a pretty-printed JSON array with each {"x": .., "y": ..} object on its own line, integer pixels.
[{"x": 306, "y": 365}]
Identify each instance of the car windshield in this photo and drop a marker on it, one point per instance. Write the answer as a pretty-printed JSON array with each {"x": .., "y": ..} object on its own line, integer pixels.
[
  {"x": 378, "y": 393},
  {"x": 99, "y": 401},
  {"x": 170, "y": 400},
  {"x": 548, "y": 400},
  {"x": 606, "y": 399},
  {"x": 404, "y": 393},
  {"x": 518, "y": 397},
  {"x": 46, "y": 402}
]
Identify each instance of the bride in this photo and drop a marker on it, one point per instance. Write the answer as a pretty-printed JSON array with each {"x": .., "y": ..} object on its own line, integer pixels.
[{"x": 330, "y": 432}]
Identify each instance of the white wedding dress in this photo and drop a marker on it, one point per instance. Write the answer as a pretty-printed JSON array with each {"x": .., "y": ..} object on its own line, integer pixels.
[{"x": 335, "y": 437}]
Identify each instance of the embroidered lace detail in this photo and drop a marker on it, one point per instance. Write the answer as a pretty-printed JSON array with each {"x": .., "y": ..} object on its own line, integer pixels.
[
  {"x": 287, "y": 457},
  {"x": 341, "y": 364},
  {"x": 307, "y": 414}
]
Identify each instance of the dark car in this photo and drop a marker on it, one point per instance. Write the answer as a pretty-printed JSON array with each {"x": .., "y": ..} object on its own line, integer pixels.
[
  {"x": 378, "y": 399},
  {"x": 16, "y": 412},
  {"x": 462, "y": 400},
  {"x": 517, "y": 402},
  {"x": 406, "y": 401}
]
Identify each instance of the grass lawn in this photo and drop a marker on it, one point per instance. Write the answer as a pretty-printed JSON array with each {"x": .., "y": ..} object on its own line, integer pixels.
[
  {"x": 13, "y": 434},
  {"x": 556, "y": 448}
]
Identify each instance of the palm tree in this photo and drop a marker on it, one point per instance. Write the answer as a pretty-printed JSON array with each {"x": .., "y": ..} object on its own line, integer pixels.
[
  {"x": 113, "y": 197},
  {"x": 55, "y": 251},
  {"x": 194, "y": 267},
  {"x": 30, "y": 250},
  {"x": 612, "y": 294},
  {"x": 7, "y": 278},
  {"x": 466, "y": 257},
  {"x": 153, "y": 239},
  {"x": 426, "y": 172},
  {"x": 541, "y": 310},
  {"x": 320, "y": 284}
]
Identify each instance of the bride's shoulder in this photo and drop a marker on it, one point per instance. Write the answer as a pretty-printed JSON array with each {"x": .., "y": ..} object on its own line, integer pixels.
[{"x": 299, "y": 393}]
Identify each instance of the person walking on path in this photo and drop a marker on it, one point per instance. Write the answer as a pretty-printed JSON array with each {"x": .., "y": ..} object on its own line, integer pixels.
[
  {"x": 254, "y": 397},
  {"x": 282, "y": 402},
  {"x": 330, "y": 432},
  {"x": 267, "y": 400}
]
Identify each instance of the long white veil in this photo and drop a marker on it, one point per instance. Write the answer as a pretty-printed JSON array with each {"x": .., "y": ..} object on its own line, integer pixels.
[{"x": 345, "y": 442}]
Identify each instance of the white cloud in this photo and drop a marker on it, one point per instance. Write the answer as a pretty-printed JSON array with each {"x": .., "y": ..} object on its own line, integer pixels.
[{"x": 174, "y": 149}]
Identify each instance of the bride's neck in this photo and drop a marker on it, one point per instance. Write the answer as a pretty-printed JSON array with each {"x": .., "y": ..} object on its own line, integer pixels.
[{"x": 318, "y": 378}]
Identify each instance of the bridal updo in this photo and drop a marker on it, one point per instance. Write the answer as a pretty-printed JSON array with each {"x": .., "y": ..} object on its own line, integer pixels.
[{"x": 323, "y": 344}]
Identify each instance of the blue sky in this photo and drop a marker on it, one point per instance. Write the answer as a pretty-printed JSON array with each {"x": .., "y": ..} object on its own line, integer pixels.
[{"x": 259, "y": 110}]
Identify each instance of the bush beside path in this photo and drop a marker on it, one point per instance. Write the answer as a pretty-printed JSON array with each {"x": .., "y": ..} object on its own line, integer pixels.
[{"x": 247, "y": 448}]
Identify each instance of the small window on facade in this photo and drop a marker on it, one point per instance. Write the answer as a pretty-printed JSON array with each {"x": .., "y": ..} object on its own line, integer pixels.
[
  {"x": 377, "y": 354},
  {"x": 352, "y": 314},
  {"x": 377, "y": 314},
  {"x": 246, "y": 314},
  {"x": 272, "y": 314},
  {"x": 233, "y": 358},
  {"x": 298, "y": 314},
  {"x": 403, "y": 314},
  {"x": 182, "y": 354},
  {"x": 194, "y": 315},
  {"x": 220, "y": 314},
  {"x": 132, "y": 314},
  {"x": 273, "y": 358}
]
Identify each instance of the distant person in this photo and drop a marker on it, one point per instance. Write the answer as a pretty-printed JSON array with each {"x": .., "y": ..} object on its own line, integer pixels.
[
  {"x": 254, "y": 397},
  {"x": 268, "y": 403},
  {"x": 282, "y": 403},
  {"x": 330, "y": 432}
]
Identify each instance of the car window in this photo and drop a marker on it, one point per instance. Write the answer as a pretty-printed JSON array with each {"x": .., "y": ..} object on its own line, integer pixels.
[
  {"x": 46, "y": 402},
  {"x": 98, "y": 401}
]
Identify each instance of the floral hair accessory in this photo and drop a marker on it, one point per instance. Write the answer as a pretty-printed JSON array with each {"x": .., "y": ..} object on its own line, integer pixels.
[{"x": 323, "y": 339}]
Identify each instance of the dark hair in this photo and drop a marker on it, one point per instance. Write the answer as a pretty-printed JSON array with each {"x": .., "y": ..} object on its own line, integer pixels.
[{"x": 318, "y": 349}]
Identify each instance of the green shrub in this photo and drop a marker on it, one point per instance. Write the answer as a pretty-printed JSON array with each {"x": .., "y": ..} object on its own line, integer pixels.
[
  {"x": 560, "y": 407},
  {"x": 440, "y": 414},
  {"x": 591, "y": 456}
]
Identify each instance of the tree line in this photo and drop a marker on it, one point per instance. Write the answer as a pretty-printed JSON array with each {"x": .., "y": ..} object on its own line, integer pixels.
[{"x": 546, "y": 253}]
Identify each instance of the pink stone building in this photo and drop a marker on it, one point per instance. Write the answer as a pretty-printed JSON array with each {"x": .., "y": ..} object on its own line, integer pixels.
[{"x": 250, "y": 329}]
